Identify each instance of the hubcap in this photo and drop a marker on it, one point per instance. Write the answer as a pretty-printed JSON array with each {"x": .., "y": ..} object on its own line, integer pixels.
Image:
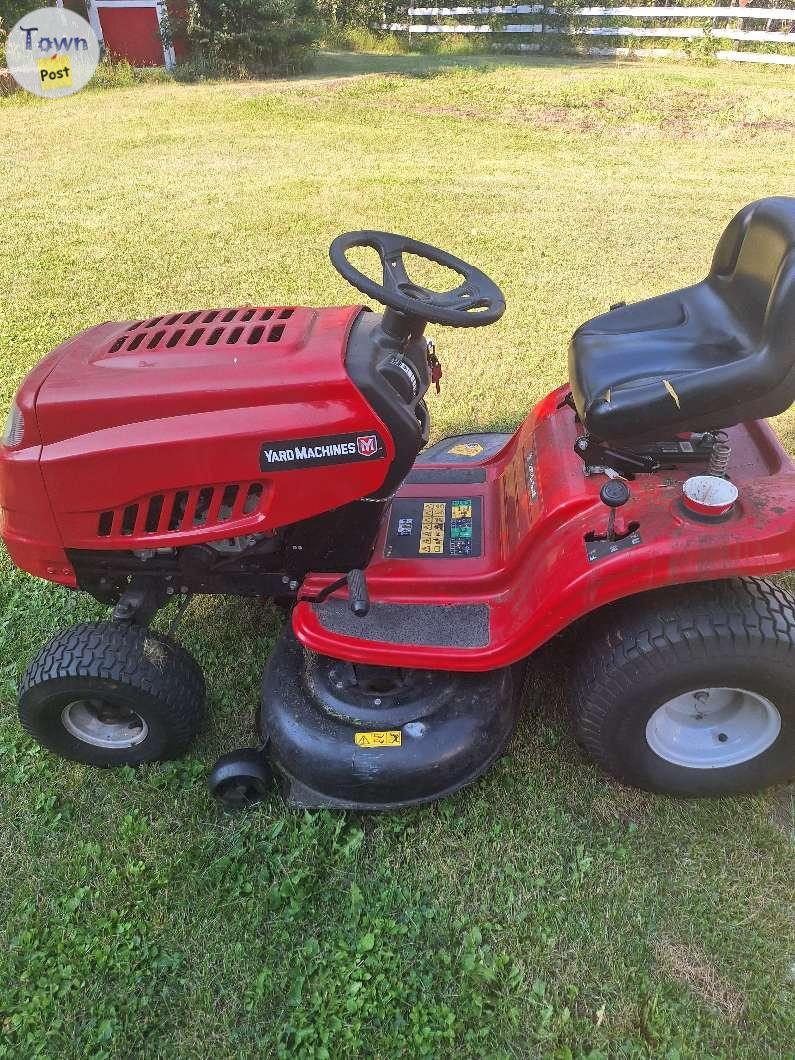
[
  {"x": 713, "y": 728},
  {"x": 102, "y": 724}
]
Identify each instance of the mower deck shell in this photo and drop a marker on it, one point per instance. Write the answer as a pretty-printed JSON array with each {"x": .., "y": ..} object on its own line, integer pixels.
[
  {"x": 439, "y": 734},
  {"x": 536, "y": 573}
]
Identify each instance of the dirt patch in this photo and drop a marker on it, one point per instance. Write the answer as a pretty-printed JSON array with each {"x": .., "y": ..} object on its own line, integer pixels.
[
  {"x": 624, "y": 111},
  {"x": 155, "y": 653},
  {"x": 686, "y": 965},
  {"x": 8, "y": 85},
  {"x": 475, "y": 113},
  {"x": 768, "y": 125},
  {"x": 680, "y": 119}
]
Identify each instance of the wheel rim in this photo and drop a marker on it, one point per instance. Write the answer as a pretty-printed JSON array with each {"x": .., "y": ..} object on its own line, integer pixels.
[
  {"x": 102, "y": 724},
  {"x": 241, "y": 792},
  {"x": 713, "y": 728}
]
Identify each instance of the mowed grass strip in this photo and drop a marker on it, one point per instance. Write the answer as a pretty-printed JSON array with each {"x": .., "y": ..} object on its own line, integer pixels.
[{"x": 544, "y": 912}]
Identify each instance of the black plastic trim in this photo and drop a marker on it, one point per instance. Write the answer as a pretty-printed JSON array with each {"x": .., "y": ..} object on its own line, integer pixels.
[{"x": 370, "y": 362}]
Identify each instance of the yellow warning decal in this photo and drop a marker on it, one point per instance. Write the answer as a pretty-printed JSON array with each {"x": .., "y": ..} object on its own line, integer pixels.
[
  {"x": 466, "y": 449},
  {"x": 390, "y": 738},
  {"x": 432, "y": 529}
]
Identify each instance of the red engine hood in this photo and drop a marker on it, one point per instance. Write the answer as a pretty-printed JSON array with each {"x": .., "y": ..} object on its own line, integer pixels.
[
  {"x": 122, "y": 373},
  {"x": 134, "y": 416}
]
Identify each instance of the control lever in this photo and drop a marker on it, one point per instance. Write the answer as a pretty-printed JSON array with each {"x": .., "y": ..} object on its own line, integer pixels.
[
  {"x": 615, "y": 495},
  {"x": 358, "y": 596}
]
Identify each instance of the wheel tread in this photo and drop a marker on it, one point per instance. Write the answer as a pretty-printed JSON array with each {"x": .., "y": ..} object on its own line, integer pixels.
[
  {"x": 123, "y": 653},
  {"x": 636, "y": 638}
]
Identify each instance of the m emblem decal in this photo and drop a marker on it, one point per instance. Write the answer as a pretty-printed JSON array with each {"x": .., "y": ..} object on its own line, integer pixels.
[{"x": 367, "y": 444}]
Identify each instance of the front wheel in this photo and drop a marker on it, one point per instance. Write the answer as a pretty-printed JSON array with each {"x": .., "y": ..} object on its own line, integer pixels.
[
  {"x": 691, "y": 690},
  {"x": 111, "y": 694}
]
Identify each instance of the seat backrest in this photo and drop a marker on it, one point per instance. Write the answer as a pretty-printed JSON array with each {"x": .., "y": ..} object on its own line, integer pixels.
[{"x": 753, "y": 269}]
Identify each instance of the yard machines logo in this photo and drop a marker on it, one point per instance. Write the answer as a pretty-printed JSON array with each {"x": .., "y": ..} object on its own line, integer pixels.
[
  {"x": 321, "y": 452},
  {"x": 52, "y": 52}
]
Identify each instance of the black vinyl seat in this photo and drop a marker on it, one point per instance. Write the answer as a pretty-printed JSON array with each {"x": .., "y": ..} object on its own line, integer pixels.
[{"x": 705, "y": 357}]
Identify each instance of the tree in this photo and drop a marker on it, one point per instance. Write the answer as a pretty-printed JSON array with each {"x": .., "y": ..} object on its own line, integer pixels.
[
  {"x": 259, "y": 37},
  {"x": 12, "y": 11}
]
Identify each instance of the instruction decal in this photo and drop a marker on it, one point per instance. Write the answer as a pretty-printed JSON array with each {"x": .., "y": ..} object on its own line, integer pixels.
[
  {"x": 432, "y": 529},
  {"x": 601, "y": 548},
  {"x": 435, "y": 528}
]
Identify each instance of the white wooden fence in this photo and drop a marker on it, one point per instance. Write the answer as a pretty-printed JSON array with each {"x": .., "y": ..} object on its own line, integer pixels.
[{"x": 572, "y": 24}]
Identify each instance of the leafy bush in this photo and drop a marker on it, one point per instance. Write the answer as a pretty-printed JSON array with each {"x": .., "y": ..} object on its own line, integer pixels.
[
  {"x": 114, "y": 72},
  {"x": 12, "y": 11},
  {"x": 239, "y": 38},
  {"x": 364, "y": 13}
]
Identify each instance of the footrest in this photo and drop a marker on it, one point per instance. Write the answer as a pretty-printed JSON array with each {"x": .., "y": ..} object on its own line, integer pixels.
[{"x": 427, "y": 625}]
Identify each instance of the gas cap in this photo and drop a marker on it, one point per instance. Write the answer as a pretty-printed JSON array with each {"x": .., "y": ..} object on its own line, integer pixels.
[{"x": 709, "y": 497}]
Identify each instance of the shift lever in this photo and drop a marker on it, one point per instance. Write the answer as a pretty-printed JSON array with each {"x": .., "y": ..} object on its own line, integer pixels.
[
  {"x": 358, "y": 596},
  {"x": 614, "y": 494}
]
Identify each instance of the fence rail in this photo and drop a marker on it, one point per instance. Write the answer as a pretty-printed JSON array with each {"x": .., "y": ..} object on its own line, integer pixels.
[
  {"x": 579, "y": 33},
  {"x": 760, "y": 13}
]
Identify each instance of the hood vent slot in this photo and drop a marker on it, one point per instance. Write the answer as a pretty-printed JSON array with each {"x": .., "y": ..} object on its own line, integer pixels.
[
  {"x": 179, "y": 511},
  {"x": 231, "y": 326}
]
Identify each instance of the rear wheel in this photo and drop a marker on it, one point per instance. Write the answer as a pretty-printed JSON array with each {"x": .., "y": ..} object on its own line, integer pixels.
[
  {"x": 691, "y": 690},
  {"x": 112, "y": 693}
]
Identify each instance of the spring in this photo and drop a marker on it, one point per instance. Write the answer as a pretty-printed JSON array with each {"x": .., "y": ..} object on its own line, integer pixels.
[{"x": 720, "y": 455}]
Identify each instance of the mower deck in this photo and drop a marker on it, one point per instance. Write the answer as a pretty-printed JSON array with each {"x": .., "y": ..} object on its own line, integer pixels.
[{"x": 489, "y": 551}]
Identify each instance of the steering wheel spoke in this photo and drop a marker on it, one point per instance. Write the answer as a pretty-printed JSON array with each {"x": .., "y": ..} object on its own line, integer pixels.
[
  {"x": 465, "y": 296},
  {"x": 474, "y": 302},
  {"x": 395, "y": 276}
]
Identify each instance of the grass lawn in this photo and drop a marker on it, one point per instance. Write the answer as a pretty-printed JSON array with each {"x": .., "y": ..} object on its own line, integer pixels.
[{"x": 544, "y": 912}]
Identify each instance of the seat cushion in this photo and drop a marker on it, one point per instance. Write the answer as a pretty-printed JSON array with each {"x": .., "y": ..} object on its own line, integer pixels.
[
  {"x": 704, "y": 357},
  {"x": 635, "y": 369}
]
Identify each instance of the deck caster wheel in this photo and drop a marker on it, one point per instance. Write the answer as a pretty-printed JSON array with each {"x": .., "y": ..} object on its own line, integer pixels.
[
  {"x": 112, "y": 694},
  {"x": 240, "y": 779},
  {"x": 691, "y": 690}
]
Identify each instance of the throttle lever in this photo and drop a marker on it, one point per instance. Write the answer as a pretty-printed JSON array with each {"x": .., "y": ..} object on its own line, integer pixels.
[{"x": 614, "y": 494}]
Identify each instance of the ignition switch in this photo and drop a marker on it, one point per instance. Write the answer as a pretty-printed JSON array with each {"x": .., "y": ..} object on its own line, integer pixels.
[
  {"x": 434, "y": 365},
  {"x": 402, "y": 378}
]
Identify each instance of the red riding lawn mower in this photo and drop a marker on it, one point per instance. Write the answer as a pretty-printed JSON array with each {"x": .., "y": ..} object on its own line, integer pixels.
[{"x": 281, "y": 453}]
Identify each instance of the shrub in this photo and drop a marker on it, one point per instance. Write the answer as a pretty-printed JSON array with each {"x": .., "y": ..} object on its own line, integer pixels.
[
  {"x": 358, "y": 39},
  {"x": 363, "y": 13},
  {"x": 240, "y": 38},
  {"x": 12, "y": 11},
  {"x": 114, "y": 72}
]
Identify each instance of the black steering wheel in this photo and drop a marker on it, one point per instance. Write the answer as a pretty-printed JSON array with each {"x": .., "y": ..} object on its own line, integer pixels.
[{"x": 476, "y": 301}]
